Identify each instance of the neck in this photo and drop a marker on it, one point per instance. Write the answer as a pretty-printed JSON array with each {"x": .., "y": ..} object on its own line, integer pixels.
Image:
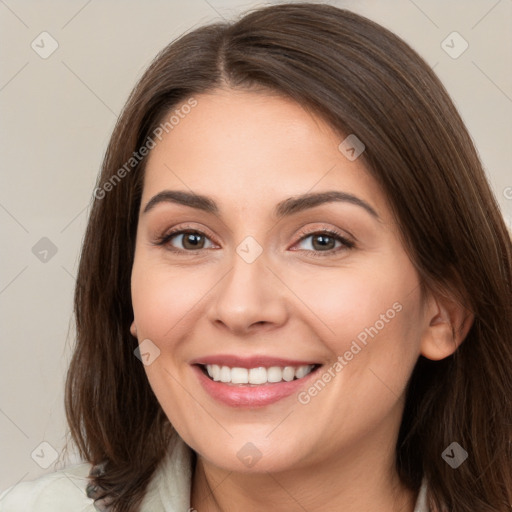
[{"x": 350, "y": 481}]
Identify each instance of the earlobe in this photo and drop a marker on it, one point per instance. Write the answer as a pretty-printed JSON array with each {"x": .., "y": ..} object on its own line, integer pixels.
[
  {"x": 133, "y": 329},
  {"x": 448, "y": 324}
]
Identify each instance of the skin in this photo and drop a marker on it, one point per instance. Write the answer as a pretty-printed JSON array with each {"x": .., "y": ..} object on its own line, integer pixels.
[{"x": 248, "y": 151}]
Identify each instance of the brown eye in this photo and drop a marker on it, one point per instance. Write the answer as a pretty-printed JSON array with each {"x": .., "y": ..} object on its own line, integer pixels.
[
  {"x": 185, "y": 241},
  {"x": 324, "y": 241},
  {"x": 320, "y": 242},
  {"x": 192, "y": 240}
]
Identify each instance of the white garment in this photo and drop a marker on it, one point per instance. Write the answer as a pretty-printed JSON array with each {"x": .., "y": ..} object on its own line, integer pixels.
[{"x": 168, "y": 490}]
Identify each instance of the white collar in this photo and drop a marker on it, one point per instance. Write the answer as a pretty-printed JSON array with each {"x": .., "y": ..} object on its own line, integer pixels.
[{"x": 169, "y": 489}]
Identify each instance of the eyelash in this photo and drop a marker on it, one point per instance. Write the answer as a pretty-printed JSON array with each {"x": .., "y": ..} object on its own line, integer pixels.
[{"x": 348, "y": 244}]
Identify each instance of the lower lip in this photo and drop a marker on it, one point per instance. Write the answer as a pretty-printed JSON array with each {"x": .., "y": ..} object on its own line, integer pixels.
[{"x": 247, "y": 395}]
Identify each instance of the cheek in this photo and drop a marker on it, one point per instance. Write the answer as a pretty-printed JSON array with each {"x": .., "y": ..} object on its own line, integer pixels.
[
  {"x": 162, "y": 299},
  {"x": 352, "y": 304},
  {"x": 374, "y": 345},
  {"x": 369, "y": 320}
]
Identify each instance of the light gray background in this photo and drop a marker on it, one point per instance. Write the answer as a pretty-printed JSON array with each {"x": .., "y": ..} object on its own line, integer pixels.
[{"x": 58, "y": 113}]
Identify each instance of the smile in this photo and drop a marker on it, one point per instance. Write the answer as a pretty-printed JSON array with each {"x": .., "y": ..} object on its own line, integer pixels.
[
  {"x": 252, "y": 382},
  {"x": 257, "y": 376}
]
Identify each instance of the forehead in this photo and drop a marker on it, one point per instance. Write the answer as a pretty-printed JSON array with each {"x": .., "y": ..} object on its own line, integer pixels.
[{"x": 249, "y": 147}]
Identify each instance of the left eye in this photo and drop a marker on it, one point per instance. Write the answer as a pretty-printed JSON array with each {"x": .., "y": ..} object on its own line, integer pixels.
[{"x": 324, "y": 241}]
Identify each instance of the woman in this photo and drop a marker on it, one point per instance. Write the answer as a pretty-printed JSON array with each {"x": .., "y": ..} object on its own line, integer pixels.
[{"x": 294, "y": 290}]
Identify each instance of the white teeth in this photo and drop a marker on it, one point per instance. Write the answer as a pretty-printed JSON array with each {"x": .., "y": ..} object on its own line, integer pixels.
[
  {"x": 258, "y": 375},
  {"x": 225, "y": 374},
  {"x": 274, "y": 374},
  {"x": 215, "y": 372},
  {"x": 239, "y": 375},
  {"x": 301, "y": 371},
  {"x": 288, "y": 373}
]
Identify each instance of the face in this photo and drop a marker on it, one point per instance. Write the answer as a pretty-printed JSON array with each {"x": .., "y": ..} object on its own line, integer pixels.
[{"x": 279, "y": 332}]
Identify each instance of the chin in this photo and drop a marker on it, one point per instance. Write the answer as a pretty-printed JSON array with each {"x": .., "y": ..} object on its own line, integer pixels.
[{"x": 258, "y": 455}]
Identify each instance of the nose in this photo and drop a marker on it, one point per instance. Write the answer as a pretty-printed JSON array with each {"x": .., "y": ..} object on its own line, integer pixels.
[{"x": 249, "y": 298}]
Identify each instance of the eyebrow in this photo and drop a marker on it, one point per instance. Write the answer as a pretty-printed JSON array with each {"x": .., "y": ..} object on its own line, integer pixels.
[{"x": 285, "y": 208}]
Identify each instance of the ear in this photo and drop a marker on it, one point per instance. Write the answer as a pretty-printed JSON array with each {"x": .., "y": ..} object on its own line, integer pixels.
[
  {"x": 448, "y": 323},
  {"x": 133, "y": 329}
]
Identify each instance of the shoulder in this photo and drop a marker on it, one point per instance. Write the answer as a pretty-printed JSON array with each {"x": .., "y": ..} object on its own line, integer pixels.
[
  {"x": 62, "y": 490},
  {"x": 65, "y": 490}
]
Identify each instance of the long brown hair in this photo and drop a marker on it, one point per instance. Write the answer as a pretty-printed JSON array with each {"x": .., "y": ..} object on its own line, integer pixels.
[{"x": 364, "y": 80}]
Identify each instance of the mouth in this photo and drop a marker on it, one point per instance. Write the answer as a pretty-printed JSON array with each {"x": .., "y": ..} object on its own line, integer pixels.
[
  {"x": 253, "y": 382},
  {"x": 256, "y": 376}
]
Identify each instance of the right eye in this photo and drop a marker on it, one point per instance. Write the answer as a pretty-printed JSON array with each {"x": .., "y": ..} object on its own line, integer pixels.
[{"x": 190, "y": 240}]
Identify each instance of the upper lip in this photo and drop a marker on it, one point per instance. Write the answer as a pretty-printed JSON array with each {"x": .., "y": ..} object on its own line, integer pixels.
[{"x": 249, "y": 362}]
